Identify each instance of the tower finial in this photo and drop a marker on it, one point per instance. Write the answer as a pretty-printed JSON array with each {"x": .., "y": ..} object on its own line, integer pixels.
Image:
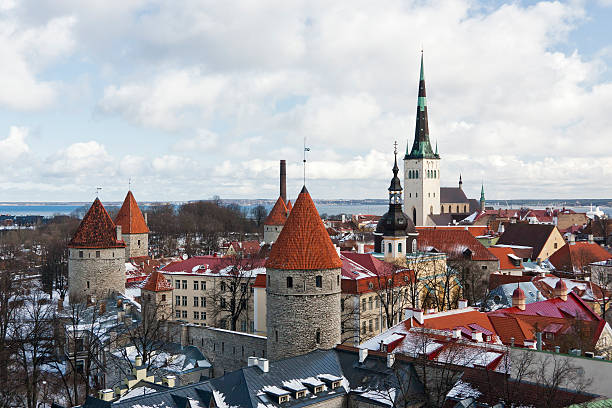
[
  {"x": 306, "y": 149},
  {"x": 130, "y": 184},
  {"x": 98, "y": 189}
]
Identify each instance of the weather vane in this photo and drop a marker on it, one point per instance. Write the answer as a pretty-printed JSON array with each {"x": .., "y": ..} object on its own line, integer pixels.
[
  {"x": 98, "y": 189},
  {"x": 306, "y": 149},
  {"x": 395, "y": 147},
  {"x": 130, "y": 184}
]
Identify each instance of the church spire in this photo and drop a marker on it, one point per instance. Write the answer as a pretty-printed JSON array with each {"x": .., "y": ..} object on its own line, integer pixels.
[
  {"x": 421, "y": 147},
  {"x": 482, "y": 197},
  {"x": 395, "y": 189}
]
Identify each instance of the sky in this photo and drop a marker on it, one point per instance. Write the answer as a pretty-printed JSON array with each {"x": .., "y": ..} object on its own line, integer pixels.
[{"x": 192, "y": 99}]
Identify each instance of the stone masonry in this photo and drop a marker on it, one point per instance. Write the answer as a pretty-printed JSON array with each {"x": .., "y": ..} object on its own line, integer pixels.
[
  {"x": 95, "y": 272},
  {"x": 136, "y": 245},
  {"x": 300, "y": 315}
]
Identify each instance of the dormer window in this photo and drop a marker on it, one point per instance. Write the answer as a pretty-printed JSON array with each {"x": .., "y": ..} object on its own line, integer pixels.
[
  {"x": 283, "y": 398},
  {"x": 319, "y": 389},
  {"x": 300, "y": 394}
]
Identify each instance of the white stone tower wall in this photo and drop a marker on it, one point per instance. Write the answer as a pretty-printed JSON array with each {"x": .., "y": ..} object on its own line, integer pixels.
[
  {"x": 91, "y": 275},
  {"x": 297, "y": 313},
  {"x": 135, "y": 245},
  {"x": 271, "y": 233},
  {"x": 422, "y": 193}
]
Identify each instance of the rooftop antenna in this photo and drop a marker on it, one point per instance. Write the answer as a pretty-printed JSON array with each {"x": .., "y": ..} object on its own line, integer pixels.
[
  {"x": 98, "y": 189},
  {"x": 306, "y": 149}
]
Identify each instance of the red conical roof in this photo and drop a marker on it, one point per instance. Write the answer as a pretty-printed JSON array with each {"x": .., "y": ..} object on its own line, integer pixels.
[
  {"x": 157, "y": 282},
  {"x": 130, "y": 218},
  {"x": 303, "y": 242},
  {"x": 289, "y": 206},
  {"x": 97, "y": 230},
  {"x": 560, "y": 285},
  {"x": 278, "y": 214}
]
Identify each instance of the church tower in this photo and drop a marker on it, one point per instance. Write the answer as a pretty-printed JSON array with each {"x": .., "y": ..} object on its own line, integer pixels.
[
  {"x": 303, "y": 288},
  {"x": 421, "y": 166},
  {"x": 395, "y": 234},
  {"x": 482, "y": 198}
]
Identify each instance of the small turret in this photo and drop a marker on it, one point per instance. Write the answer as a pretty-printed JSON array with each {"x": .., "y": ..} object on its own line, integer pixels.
[
  {"x": 460, "y": 182},
  {"x": 560, "y": 290},
  {"x": 519, "y": 299}
]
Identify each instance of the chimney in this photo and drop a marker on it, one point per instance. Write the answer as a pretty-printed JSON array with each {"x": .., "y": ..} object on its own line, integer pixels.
[
  {"x": 106, "y": 395},
  {"x": 252, "y": 361},
  {"x": 169, "y": 381},
  {"x": 360, "y": 248},
  {"x": 283, "y": 180},
  {"x": 511, "y": 341},
  {"x": 456, "y": 333},
  {"x": 418, "y": 315},
  {"x": 572, "y": 239},
  {"x": 263, "y": 364},
  {"x": 138, "y": 361},
  {"x": 119, "y": 233},
  {"x": 557, "y": 349},
  {"x": 462, "y": 303},
  {"x": 590, "y": 238},
  {"x": 363, "y": 353},
  {"x": 539, "y": 340},
  {"x": 390, "y": 359}
]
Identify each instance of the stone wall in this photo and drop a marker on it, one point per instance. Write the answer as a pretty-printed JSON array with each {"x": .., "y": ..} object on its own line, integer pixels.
[
  {"x": 226, "y": 350},
  {"x": 95, "y": 272},
  {"x": 136, "y": 245},
  {"x": 271, "y": 233},
  {"x": 295, "y": 315}
]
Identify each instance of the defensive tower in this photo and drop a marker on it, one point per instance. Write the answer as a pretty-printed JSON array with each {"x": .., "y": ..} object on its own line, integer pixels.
[{"x": 133, "y": 228}]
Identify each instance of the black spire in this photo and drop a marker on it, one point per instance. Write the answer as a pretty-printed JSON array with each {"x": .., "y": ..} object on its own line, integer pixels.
[
  {"x": 396, "y": 185},
  {"x": 421, "y": 147}
]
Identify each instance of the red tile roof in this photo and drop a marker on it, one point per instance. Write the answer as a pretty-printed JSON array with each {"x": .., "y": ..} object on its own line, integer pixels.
[
  {"x": 303, "y": 243},
  {"x": 574, "y": 257},
  {"x": 156, "y": 282},
  {"x": 278, "y": 214},
  {"x": 475, "y": 230},
  {"x": 289, "y": 205},
  {"x": 363, "y": 273},
  {"x": 130, "y": 218},
  {"x": 246, "y": 247},
  {"x": 464, "y": 319},
  {"x": 453, "y": 243},
  {"x": 502, "y": 253},
  {"x": 260, "y": 281},
  {"x": 97, "y": 230},
  {"x": 199, "y": 264},
  {"x": 496, "y": 279}
]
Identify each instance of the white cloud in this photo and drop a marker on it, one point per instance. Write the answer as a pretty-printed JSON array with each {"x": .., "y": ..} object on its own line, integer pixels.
[
  {"x": 14, "y": 146},
  {"x": 80, "y": 161}
]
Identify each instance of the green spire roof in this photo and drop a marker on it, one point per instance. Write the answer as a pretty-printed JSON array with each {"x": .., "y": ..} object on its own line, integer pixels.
[
  {"x": 482, "y": 197},
  {"x": 421, "y": 147}
]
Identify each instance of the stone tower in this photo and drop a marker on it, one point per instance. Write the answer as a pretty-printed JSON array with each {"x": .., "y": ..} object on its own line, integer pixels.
[
  {"x": 96, "y": 257},
  {"x": 421, "y": 166},
  {"x": 133, "y": 227},
  {"x": 395, "y": 232},
  {"x": 156, "y": 297},
  {"x": 275, "y": 221},
  {"x": 303, "y": 288}
]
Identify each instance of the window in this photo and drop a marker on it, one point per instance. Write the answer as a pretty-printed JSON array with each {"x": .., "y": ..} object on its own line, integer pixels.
[
  {"x": 342, "y": 305},
  {"x": 87, "y": 284},
  {"x": 289, "y": 282},
  {"x": 318, "y": 336},
  {"x": 319, "y": 281},
  {"x": 399, "y": 247},
  {"x": 178, "y": 301},
  {"x": 195, "y": 285},
  {"x": 414, "y": 245},
  {"x": 195, "y": 301},
  {"x": 202, "y": 301},
  {"x": 80, "y": 254},
  {"x": 163, "y": 298},
  {"x": 222, "y": 285},
  {"x": 139, "y": 243},
  {"x": 243, "y": 288},
  {"x": 203, "y": 315},
  {"x": 223, "y": 302},
  {"x": 177, "y": 284},
  {"x": 177, "y": 314},
  {"x": 338, "y": 280},
  {"x": 276, "y": 335},
  {"x": 376, "y": 324},
  {"x": 549, "y": 335},
  {"x": 555, "y": 245},
  {"x": 78, "y": 344},
  {"x": 376, "y": 303},
  {"x": 243, "y": 326},
  {"x": 203, "y": 285},
  {"x": 97, "y": 254},
  {"x": 184, "y": 300},
  {"x": 370, "y": 325},
  {"x": 370, "y": 302},
  {"x": 363, "y": 327},
  {"x": 457, "y": 208},
  {"x": 196, "y": 315},
  {"x": 184, "y": 314},
  {"x": 389, "y": 248},
  {"x": 465, "y": 208},
  {"x": 363, "y": 305},
  {"x": 484, "y": 267},
  {"x": 184, "y": 284}
]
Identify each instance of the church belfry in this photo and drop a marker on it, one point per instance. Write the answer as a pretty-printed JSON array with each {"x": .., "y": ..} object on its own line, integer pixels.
[{"x": 421, "y": 166}]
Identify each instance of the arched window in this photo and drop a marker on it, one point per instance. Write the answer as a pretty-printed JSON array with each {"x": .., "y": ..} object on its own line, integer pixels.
[
  {"x": 435, "y": 176},
  {"x": 431, "y": 209},
  {"x": 465, "y": 208},
  {"x": 457, "y": 208},
  {"x": 442, "y": 210},
  {"x": 410, "y": 174},
  {"x": 416, "y": 174},
  {"x": 318, "y": 336},
  {"x": 389, "y": 248},
  {"x": 414, "y": 215},
  {"x": 399, "y": 247},
  {"x": 289, "y": 282},
  {"x": 319, "y": 281},
  {"x": 414, "y": 245}
]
